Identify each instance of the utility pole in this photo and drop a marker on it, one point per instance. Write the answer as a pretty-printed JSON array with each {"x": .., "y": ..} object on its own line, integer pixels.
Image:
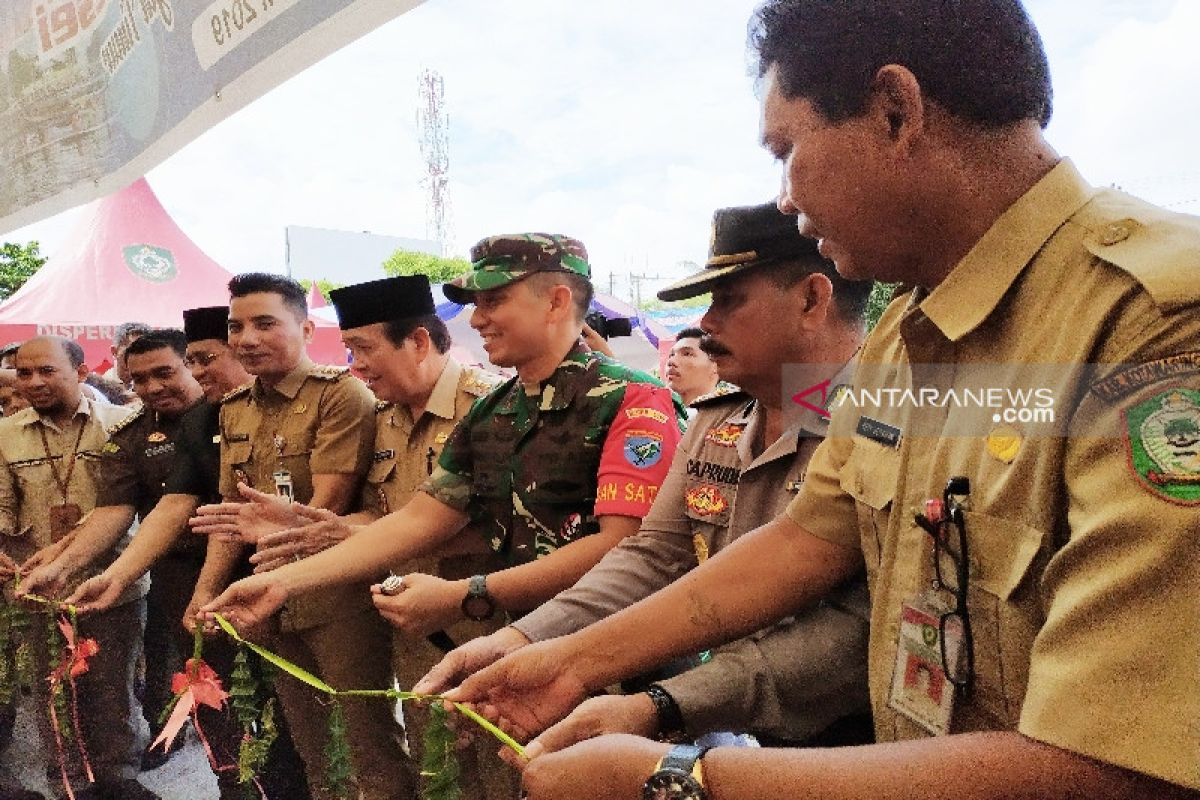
[{"x": 433, "y": 128}]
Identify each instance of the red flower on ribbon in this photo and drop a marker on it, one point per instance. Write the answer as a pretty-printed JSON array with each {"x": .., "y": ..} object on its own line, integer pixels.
[
  {"x": 74, "y": 662},
  {"x": 198, "y": 685}
]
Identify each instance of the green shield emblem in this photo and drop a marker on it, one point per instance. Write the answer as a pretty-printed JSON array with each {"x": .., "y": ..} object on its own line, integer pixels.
[
  {"x": 155, "y": 264},
  {"x": 1163, "y": 438}
]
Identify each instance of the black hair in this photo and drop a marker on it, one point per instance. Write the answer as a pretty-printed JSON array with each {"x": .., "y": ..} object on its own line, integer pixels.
[
  {"x": 689, "y": 333},
  {"x": 980, "y": 60},
  {"x": 172, "y": 338},
  {"x": 73, "y": 350},
  {"x": 582, "y": 291},
  {"x": 849, "y": 297},
  {"x": 397, "y": 330},
  {"x": 254, "y": 282}
]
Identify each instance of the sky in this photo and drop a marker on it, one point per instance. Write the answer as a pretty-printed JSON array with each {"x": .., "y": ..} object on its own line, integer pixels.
[{"x": 622, "y": 123}]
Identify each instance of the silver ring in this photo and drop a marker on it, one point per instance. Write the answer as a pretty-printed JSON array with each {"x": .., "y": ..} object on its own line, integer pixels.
[{"x": 392, "y": 585}]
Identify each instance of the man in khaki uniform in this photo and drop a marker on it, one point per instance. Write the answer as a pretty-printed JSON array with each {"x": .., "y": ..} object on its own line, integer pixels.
[
  {"x": 49, "y": 459},
  {"x": 401, "y": 348},
  {"x": 1032, "y": 580},
  {"x": 305, "y": 431}
]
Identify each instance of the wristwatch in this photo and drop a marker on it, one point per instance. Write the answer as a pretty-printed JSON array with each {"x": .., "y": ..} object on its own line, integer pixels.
[
  {"x": 670, "y": 718},
  {"x": 478, "y": 605},
  {"x": 679, "y": 776}
]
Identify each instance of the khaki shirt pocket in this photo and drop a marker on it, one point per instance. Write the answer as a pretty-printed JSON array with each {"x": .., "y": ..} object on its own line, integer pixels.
[
  {"x": 869, "y": 476},
  {"x": 1005, "y": 613},
  {"x": 235, "y": 466}
]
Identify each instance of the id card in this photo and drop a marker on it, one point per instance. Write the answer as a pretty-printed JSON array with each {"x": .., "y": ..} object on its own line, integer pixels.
[
  {"x": 283, "y": 484},
  {"x": 921, "y": 691},
  {"x": 63, "y": 519}
]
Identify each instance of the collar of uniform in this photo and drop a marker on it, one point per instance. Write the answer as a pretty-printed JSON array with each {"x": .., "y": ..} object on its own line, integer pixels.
[
  {"x": 289, "y": 385},
  {"x": 84, "y": 408},
  {"x": 974, "y": 288},
  {"x": 559, "y": 389},
  {"x": 441, "y": 399}
]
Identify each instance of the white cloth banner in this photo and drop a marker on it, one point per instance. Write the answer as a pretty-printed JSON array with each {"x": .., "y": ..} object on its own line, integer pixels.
[{"x": 94, "y": 93}]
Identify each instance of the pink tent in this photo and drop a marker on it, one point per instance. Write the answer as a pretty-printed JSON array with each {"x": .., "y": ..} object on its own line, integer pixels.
[{"x": 126, "y": 261}]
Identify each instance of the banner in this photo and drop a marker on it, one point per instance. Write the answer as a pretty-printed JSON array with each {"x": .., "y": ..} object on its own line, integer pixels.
[{"x": 95, "y": 93}]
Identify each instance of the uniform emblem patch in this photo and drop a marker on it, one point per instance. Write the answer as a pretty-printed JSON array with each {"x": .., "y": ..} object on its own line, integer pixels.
[
  {"x": 725, "y": 435},
  {"x": 705, "y": 500},
  {"x": 651, "y": 413},
  {"x": 157, "y": 436},
  {"x": 643, "y": 449},
  {"x": 1162, "y": 438}
]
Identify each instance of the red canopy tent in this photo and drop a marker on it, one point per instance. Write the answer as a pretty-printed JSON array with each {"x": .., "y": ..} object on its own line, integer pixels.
[{"x": 127, "y": 261}]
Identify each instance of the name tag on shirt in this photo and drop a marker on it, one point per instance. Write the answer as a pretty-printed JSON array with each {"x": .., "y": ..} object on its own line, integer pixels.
[{"x": 876, "y": 431}]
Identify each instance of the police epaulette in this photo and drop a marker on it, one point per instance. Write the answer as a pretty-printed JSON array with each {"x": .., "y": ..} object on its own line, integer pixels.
[
  {"x": 125, "y": 423},
  {"x": 238, "y": 392},
  {"x": 328, "y": 372},
  {"x": 724, "y": 391},
  {"x": 381, "y": 406}
]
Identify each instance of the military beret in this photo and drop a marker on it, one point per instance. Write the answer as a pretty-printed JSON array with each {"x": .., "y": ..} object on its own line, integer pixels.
[
  {"x": 500, "y": 260},
  {"x": 210, "y": 322},
  {"x": 382, "y": 301},
  {"x": 745, "y": 237}
]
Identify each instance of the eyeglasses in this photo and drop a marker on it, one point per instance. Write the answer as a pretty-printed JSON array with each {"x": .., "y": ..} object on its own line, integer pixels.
[
  {"x": 201, "y": 359},
  {"x": 954, "y": 577}
]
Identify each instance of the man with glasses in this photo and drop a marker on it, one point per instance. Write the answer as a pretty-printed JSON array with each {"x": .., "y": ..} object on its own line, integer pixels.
[{"x": 912, "y": 147}]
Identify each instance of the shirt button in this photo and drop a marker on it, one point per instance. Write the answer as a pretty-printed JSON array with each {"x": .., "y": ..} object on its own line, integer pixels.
[{"x": 1114, "y": 234}]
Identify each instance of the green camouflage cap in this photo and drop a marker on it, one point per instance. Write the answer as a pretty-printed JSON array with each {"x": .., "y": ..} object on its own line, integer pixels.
[{"x": 499, "y": 260}]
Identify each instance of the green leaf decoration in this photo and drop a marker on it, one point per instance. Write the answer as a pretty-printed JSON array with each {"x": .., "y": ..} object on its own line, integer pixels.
[
  {"x": 338, "y": 771},
  {"x": 299, "y": 673},
  {"x": 439, "y": 764}
]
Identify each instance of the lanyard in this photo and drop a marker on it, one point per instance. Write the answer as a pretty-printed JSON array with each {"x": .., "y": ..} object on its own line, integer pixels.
[{"x": 63, "y": 483}]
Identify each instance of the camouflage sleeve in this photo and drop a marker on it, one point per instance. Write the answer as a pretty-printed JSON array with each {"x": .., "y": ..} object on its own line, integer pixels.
[
  {"x": 638, "y": 449},
  {"x": 450, "y": 482}
]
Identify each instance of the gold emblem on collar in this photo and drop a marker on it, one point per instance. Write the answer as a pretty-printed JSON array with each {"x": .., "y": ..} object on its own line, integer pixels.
[{"x": 157, "y": 436}]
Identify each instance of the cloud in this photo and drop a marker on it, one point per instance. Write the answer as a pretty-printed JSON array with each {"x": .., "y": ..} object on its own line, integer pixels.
[{"x": 624, "y": 123}]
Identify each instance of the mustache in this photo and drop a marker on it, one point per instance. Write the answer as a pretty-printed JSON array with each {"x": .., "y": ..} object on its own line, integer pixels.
[{"x": 712, "y": 348}]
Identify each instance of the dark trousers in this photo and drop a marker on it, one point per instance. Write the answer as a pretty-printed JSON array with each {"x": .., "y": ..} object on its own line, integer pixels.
[{"x": 109, "y": 716}]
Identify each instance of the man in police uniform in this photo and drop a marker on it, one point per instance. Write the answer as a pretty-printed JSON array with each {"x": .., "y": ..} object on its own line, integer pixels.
[
  {"x": 556, "y": 465},
  {"x": 802, "y": 680},
  {"x": 192, "y": 477},
  {"x": 305, "y": 431},
  {"x": 138, "y": 458},
  {"x": 1037, "y": 608},
  {"x": 49, "y": 480}
]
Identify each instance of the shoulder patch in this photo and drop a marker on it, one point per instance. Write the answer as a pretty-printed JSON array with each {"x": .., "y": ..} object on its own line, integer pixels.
[
  {"x": 381, "y": 406},
  {"x": 479, "y": 382},
  {"x": 236, "y": 393},
  {"x": 126, "y": 422},
  {"x": 1161, "y": 438},
  {"x": 328, "y": 372},
  {"x": 1158, "y": 248},
  {"x": 723, "y": 393}
]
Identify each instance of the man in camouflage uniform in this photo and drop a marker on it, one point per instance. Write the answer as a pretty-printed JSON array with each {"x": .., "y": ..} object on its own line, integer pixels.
[
  {"x": 305, "y": 431},
  {"x": 555, "y": 466},
  {"x": 802, "y": 680}
]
